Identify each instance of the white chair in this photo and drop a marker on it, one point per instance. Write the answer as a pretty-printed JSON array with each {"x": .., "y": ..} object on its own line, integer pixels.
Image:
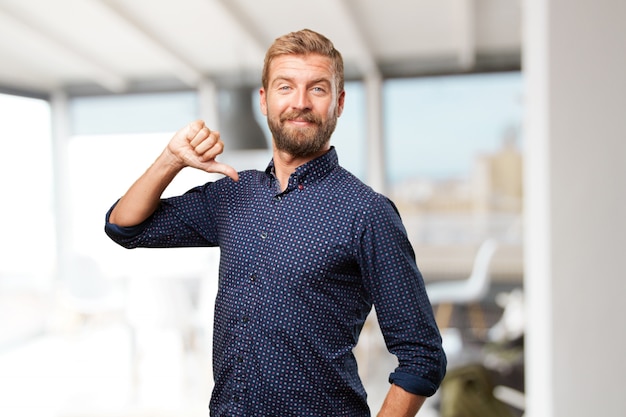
[{"x": 471, "y": 291}]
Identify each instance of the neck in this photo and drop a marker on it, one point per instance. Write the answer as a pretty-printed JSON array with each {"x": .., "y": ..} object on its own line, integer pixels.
[{"x": 285, "y": 164}]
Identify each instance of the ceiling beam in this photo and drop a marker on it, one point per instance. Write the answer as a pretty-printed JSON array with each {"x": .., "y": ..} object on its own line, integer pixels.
[
  {"x": 366, "y": 59},
  {"x": 101, "y": 73},
  {"x": 185, "y": 71},
  {"x": 245, "y": 24}
]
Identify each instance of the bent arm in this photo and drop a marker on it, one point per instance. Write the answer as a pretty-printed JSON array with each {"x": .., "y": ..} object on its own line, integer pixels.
[
  {"x": 196, "y": 146},
  {"x": 143, "y": 197}
]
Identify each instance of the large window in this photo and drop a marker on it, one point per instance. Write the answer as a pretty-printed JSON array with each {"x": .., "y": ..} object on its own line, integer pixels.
[
  {"x": 454, "y": 157},
  {"x": 27, "y": 247}
]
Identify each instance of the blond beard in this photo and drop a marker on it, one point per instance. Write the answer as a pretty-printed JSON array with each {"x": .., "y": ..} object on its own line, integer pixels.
[{"x": 302, "y": 142}]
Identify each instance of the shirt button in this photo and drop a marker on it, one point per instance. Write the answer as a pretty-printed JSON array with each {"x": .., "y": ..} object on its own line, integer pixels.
[
  {"x": 263, "y": 235},
  {"x": 300, "y": 187},
  {"x": 239, "y": 359},
  {"x": 245, "y": 319},
  {"x": 253, "y": 277}
]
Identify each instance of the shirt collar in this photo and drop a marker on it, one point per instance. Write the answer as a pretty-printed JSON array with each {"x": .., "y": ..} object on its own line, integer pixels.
[{"x": 310, "y": 172}]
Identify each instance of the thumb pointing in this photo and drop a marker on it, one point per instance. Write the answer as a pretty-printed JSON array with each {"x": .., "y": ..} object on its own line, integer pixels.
[{"x": 226, "y": 170}]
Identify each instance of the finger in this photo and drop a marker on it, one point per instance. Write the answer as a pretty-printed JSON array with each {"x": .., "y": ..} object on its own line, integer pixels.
[
  {"x": 201, "y": 135},
  {"x": 212, "y": 153},
  {"x": 210, "y": 147},
  {"x": 226, "y": 170},
  {"x": 192, "y": 129}
]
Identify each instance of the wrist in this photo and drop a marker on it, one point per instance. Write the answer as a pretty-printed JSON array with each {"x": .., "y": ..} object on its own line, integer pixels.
[{"x": 171, "y": 162}]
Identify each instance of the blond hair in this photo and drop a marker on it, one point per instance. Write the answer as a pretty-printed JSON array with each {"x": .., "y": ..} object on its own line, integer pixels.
[{"x": 304, "y": 42}]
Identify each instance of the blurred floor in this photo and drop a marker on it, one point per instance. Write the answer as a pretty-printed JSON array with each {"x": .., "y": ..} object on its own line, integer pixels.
[
  {"x": 104, "y": 368},
  {"x": 91, "y": 374}
]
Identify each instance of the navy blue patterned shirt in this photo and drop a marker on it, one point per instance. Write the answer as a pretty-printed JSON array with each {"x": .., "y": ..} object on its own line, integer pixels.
[{"x": 299, "y": 272}]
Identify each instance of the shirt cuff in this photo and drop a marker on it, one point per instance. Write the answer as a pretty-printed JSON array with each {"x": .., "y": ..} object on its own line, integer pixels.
[
  {"x": 120, "y": 231},
  {"x": 413, "y": 384}
]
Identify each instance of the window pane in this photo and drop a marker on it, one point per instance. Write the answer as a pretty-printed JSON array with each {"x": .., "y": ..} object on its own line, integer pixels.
[
  {"x": 26, "y": 217},
  {"x": 436, "y": 126},
  {"x": 133, "y": 113}
]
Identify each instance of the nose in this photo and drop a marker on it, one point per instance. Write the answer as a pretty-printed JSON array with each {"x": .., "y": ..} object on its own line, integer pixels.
[{"x": 301, "y": 100}]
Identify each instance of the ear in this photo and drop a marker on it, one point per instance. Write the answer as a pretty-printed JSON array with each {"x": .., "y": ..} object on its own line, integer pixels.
[
  {"x": 263, "y": 101},
  {"x": 340, "y": 102}
]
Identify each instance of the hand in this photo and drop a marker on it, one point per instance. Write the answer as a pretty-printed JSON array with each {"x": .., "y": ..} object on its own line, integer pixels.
[{"x": 197, "y": 146}]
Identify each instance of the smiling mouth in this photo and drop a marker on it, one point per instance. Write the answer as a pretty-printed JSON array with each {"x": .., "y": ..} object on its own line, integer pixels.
[
  {"x": 300, "y": 121},
  {"x": 299, "y": 118}
]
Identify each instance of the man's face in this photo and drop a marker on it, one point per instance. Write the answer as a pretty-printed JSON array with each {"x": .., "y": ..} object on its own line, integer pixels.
[{"x": 301, "y": 103}]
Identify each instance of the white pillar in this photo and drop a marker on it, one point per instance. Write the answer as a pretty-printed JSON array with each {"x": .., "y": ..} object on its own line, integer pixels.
[
  {"x": 575, "y": 181},
  {"x": 376, "y": 172},
  {"x": 207, "y": 98},
  {"x": 59, "y": 110}
]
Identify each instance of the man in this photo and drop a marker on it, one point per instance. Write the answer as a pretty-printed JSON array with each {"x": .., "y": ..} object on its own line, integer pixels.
[{"x": 306, "y": 250}]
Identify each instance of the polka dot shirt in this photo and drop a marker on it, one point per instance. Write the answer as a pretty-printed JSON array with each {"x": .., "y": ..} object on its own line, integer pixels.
[{"x": 299, "y": 272}]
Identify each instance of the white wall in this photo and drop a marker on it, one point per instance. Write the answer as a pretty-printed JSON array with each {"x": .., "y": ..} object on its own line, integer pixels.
[{"x": 575, "y": 69}]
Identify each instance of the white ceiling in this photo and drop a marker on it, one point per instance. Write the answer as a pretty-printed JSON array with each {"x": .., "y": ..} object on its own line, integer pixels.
[{"x": 129, "y": 45}]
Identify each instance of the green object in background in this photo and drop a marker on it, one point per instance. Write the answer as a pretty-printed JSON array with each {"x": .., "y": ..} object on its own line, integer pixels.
[{"x": 468, "y": 392}]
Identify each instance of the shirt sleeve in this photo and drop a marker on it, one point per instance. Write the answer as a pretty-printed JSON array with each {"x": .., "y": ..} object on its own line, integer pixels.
[
  {"x": 181, "y": 221},
  {"x": 391, "y": 276}
]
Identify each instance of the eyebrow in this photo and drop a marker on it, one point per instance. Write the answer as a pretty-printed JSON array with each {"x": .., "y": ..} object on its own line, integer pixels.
[{"x": 320, "y": 80}]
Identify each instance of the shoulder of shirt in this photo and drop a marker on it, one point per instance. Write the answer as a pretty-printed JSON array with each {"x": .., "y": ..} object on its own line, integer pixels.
[
  {"x": 361, "y": 189},
  {"x": 244, "y": 177},
  {"x": 353, "y": 188}
]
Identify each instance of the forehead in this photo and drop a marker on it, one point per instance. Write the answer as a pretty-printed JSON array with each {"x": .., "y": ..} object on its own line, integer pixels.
[{"x": 311, "y": 66}]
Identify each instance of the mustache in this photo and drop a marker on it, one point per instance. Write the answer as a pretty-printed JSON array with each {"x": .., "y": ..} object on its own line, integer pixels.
[{"x": 300, "y": 115}]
